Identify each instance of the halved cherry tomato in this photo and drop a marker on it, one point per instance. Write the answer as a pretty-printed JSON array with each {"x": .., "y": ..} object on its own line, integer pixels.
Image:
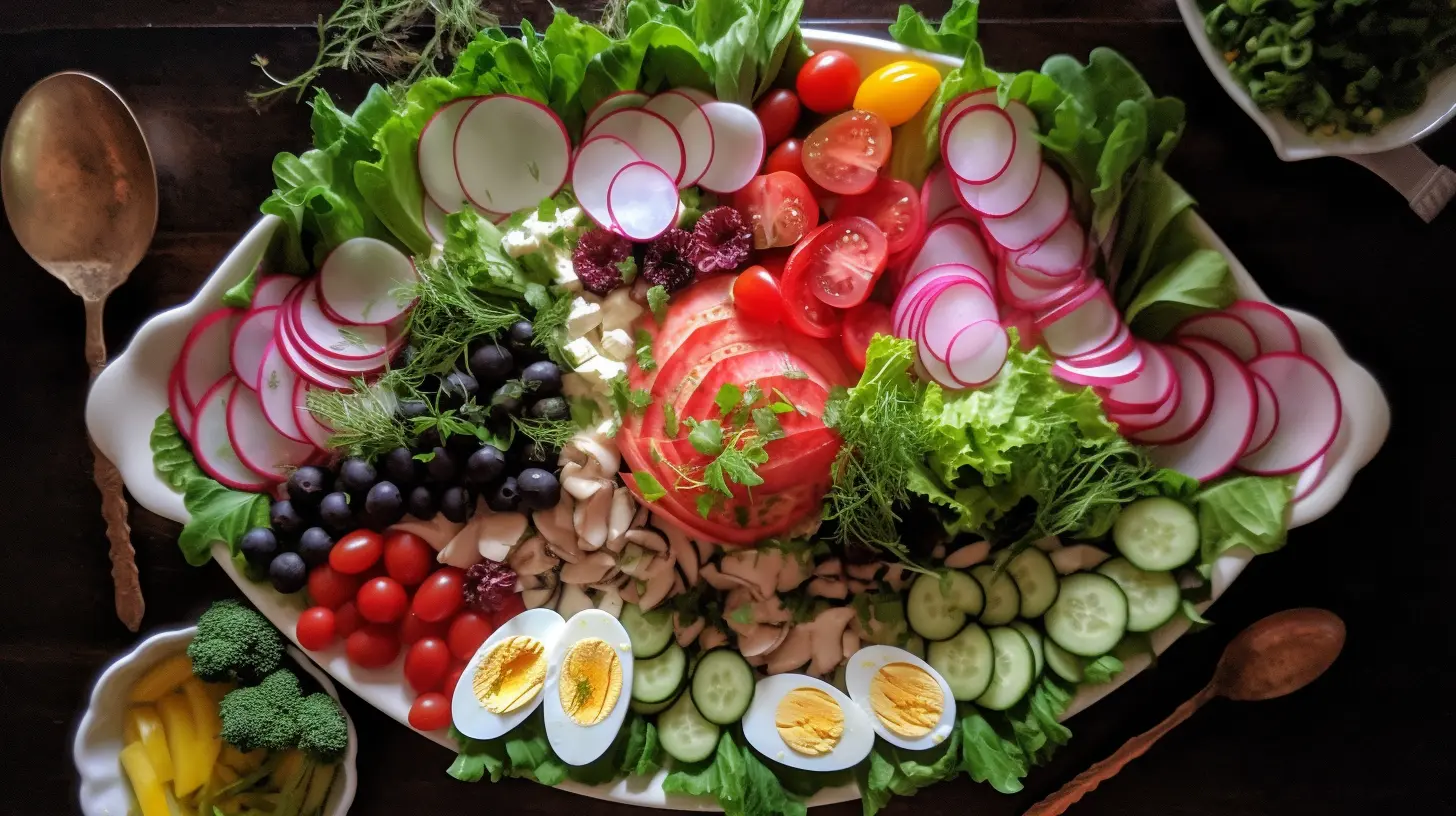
[
  {"x": 408, "y": 558},
  {"x": 779, "y": 208},
  {"x": 845, "y": 154},
  {"x": 511, "y": 606},
  {"x": 894, "y": 206},
  {"x": 430, "y": 711},
  {"x": 372, "y": 647},
  {"x": 861, "y": 324},
  {"x": 788, "y": 157},
  {"x": 413, "y": 628},
  {"x": 803, "y": 311},
  {"x": 356, "y": 552},
  {"x": 828, "y": 81},
  {"x": 778, "y": 113},
  {"x": 331, "y": 588},
  {"x": 440, "y": 595},
  {"x": 316, "y": 629},
  {"x": 426, "y": 664},
  {"x": 897, "y": 91},
  {"x": 756, "y": 295},
  {"x": 838, "y": 264},
  {"x": 468, "y": 630}
]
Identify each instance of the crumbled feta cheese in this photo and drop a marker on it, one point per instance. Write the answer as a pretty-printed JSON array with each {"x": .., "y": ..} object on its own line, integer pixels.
[
  {"x": 532, "y": 232},
  {"x": 580, "y": 350},
  {"x": 585, "y": 315},
  {"x": 599, "y": 371},
  {"x": 563, "y": 269},
  {"x": 619, "y": 309},
  {"x": 617, "y": 344}
]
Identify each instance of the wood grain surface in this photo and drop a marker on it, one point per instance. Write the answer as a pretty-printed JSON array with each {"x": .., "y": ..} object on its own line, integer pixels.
[{"x": 1323, "y": 236}]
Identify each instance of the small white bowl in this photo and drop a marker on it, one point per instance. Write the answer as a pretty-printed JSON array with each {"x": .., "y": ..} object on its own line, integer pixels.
[{"x": 104, "y": 790}]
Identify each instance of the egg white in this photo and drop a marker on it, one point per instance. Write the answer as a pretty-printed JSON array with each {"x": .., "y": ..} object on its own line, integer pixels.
[
  {"x": 861, "y": 669},
  {"x": 574, "y": 743},
  {"x": 762, "y": 733},
  {"x": 470, "y": 716}
]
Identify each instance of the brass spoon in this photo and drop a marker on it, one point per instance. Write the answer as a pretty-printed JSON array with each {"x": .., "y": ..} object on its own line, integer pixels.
[
  {"x": 80, "y": 191},
  {"x": 1275, "y": 656}
]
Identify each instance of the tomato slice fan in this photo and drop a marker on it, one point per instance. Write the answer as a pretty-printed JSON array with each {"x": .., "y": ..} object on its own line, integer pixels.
[
  {"x": 779, "y": 207},
  {"x": 894, "y": 207}
]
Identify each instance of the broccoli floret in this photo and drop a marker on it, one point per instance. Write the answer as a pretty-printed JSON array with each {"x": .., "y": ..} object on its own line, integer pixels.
[
  {"x": 323, "y": 732},
  {"x": 234, "y": 642},
  {"x": 265, "y": 715}
]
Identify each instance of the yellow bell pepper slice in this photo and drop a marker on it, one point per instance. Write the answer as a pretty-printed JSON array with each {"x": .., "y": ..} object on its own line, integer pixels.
[
  {"x": 143, "y": 720},
  {"x": 187, "y": 750},
  {"x": 206, "y": 721},
  {"x": 897, "y": 91},
  {"x": 162, "y": 679},
  {"x": 150, "y": 795},
  {"x": 318, "y": 789}
]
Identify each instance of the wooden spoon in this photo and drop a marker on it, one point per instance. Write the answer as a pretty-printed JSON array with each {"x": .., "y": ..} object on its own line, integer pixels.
[
  {"x": 80, "y": 191},
  {"x": 1276, "y": 656}
]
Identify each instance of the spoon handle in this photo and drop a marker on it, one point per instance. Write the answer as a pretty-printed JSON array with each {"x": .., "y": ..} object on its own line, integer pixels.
[
  {"x": 129, "y": 603},
  {"x": 1087, "y": 781}
]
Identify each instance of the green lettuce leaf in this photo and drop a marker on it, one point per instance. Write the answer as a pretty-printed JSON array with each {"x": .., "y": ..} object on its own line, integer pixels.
[
  {"x": 240, "y": 294},
  {"x": 1247, "y": 511},
  {"x": 524, "y": 753},
  {"x": 892, "y": 771},
  {"x": 955, "y": 35},
  {"x": 988, "y": 755},
  {"x": 738, "y": 780},
  {"x": 217, "y": 513},
  {"x": 1034, "y": 720},
  {"x": 1102, "y": 670},
  {"x": 473, "y": 253}
]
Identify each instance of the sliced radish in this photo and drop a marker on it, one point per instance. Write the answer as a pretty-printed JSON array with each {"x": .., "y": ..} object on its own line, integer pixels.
[
  {"x": 738, "y": 147},
  {"x": 978, "y": 144},
  {"x": 1311, "y": 477},
  {"x": 642, "y": 201},
  {"x": 1149, "y": 390},
  {"x": 1229, "y": 331},
  {"x": 977, "y": 352},
  {"x": 298, "y": 361},
  {"x": 952, "y": 309},
  {"x": 434, "y": 220},
  {"x": 1012, "y": 189},
  {"x": 1049, "y": 207},
  {"x": 985, "y": 96},
  {"x": 1215, "y": 447},
  {"x": 1080, "y": 325},
  {"x": 276, "y": 382},
  {"x": 207, "y": 353},
  {"x": 1130, "y": 425},
  {"x": 1195, "y": 398},
  {"x": 510, "y": 153},
  {"x": 366, "y": 282},
  {"x": 1122, "y": 344},
  {"x": 212, "y": 445},
  {"x": 693, "y": 128},
  {"x": 260, "y": 447},
  {"x": 335, "y": 365},
  {"x": 315, "y": 431},
  {"x": 936, "y": 369},
  {"x": 954, "y": 240},
  {"x": 1268, "y": 419},
  {"x": 1306, "y": 431},
  {"x": 272, "y": 290},
  {"x": 937, "y": 196},
  {"x": 909, "y": 297},
  {"x": 1107, "y": 375},
  {"x": 650, "y": 134},
  {"x": 250, "y": 339},
  {"x": 1061, "y": 255},
  {"x": 177, "y": 405},
  {"x": 1026, "y": 297},
  {"x": 328, "y": 337},
  {"x": 1276, "y": 332},
  {"x": 598, "y": 161},
  {"x": 436, "y": 156},
  {"x": 615, "y": 102}
]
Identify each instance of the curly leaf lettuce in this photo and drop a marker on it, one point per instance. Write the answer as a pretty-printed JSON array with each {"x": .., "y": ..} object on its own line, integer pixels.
[
  {"x": 892, "y": 771},
  {"x": 742, "y": 785},
  {"x": 1242, "y": 511},
  {"x": 216, "y": 513}
]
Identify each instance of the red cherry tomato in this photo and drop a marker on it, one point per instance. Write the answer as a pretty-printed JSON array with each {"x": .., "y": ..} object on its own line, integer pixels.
[
  {"x": 756, "y": 295},
  {"x": 802, "y": 311},
  {"x": 356, "y": 552},
  {"x": 440, "y": 596},
  {"x": 845, "y": 154},
  {"x": 511, "y": 606},
  {"x": 412, "y": 628},
  {"x": 374, "y": 646},
  {"x": 837, "y": 266},
  {"x": 778, "y": 113},
  {"x": 779, "y": 208},
  {"x": 347, "y": 619},
  {"x": 894, "y": 206},
  {"x": 452, "y": 678},
  {"x": 315, "y": 630},
  {"x": 408, "y": 558},
  {"x": 468, "y": 630},
  {"x": 426, "y": 663},
  {"x": 331, "y": 588},
  {"x": 861, "y": 324},
  {"x": 828, "y": 81},
  {"x": 788, "y": 157},
  {"x": 382, "y": 600},
  {"x": 430, "y": 711}
]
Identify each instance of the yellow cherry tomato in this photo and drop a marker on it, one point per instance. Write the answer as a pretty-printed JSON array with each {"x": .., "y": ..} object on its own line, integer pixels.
[{"x": 897, "y": 91}]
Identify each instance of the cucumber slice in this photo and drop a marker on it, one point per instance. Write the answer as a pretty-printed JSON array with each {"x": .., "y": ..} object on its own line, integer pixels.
[
  {"x": 965, "y": 661},
  {"x": 650, "y": 632},
  {"x": 1063, "y": 663},
  {"x": 915, "y": 645},
  {"x": 1037, "y": 581},
  {"x": 1090, "y": 615},
  {"x": 659, "y": 678},
  {"x": 722, "y": 686},
  {"x": 685, "y": 734},
  {"x": 1015, "y": 669},
  {"x": 931, "y": 607},
  {"x": 1153, "y": 598},
  {"x": 655, "y": 708},
  {"x": 1156, "y": 534},
  {"x": 1034, "y": 640},
  {"x": 1003, "y": 599}
]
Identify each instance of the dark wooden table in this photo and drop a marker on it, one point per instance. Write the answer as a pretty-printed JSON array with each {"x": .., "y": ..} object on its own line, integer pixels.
[{"x": 1322, "y": 236}]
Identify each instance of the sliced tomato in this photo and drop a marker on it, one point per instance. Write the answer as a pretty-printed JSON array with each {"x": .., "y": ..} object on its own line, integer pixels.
[
  {"x": 837, "y": 265},
  {"x": 805, "y": 313},
  {"x": 861, "y": 324},
  {"x": 779, "y": 207},
  {"x": 845, "y": 154},
  {"x": 756, "y": 295},
  {"x": 788, "y": 157},
  {"x": 768, "y": 368},
  {"x": 894, "y": 206}
]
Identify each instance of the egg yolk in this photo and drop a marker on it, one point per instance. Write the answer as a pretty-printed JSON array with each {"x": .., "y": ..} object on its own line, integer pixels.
[
  {"x": 809, "y": 721},
  {"x": 591, "y": 681},
  {"x": 906, "y": 699},
  {"x": 511, "y": 675}
]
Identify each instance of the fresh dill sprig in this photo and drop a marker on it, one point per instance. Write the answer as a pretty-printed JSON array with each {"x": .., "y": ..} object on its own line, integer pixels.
[
  {"x": 548, "y": 328},
  {"x": 363, "y": 419},
  {"x": 613, "y": 21},
  {"x": 1080, "y": 490},
  {"x": 447, "y": 315},
  {"x": 555, "y": 433}
]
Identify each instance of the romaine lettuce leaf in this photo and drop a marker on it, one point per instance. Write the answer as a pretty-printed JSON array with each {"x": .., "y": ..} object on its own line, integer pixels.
[
  {"x": 892, "y": 771},
  {"x": 988, "y": 755},
  {"x": 216, "y": 513},
  {"x": 742, "y": 785},
  {"x": 1248, "y": 511}
]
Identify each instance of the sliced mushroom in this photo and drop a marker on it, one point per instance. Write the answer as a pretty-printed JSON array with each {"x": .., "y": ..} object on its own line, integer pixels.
[
  {"x": 619, "y": 520},
  {"x": 897, "y": 577},
  {"x": 555, "y": 524},
  {"x": 615, "y": 580},
  {"x": 829, "y": 588},
  {"x": 656, "y": 564},
  {"x": 648, "y": 540},
  {"x": 969, "y": 555},
  {"x": 687, "y": 634},
  {"x": 1050, "y": 544},
  {"x": 537, "y": 598},
  {"x": 849, "y": 643},
  {"x": 566, "y": 550},
  {"x": 589, "y": 570},
  {"x": 525, "y": 582},
  {"x": 796, "y": 650},
  {"x": 437, "y": 532},
  {"x": 639, "y": 518},
  {"x": 681, "y": 550},
  {"x": 610, "y": 602},
  {"x": 864, "y": 572},
  {"x": 592, "y": 531},
  {"x": 531, "y": 558},
  {"x": 582, "y": 488},
  {"x": 705, "y": 550},
  {"x": 597, "y": 446},
  {"x": 743, "y": 565},
  {"x": 678, "y": 587},
  {"x": 827, "y": 630},
  {"x": 711, "y": 638},
  {"x": 1077, "y": 558},
  {"x": 830, "y": 568},
  {"x": 573, "y": 600},
  {"x": 761, "y": 639},
  {"x": 464, "y": 549},
  {"x": 757, "y": 661},
  {"x": 498, "y": 533},
  {"x": 859, "y": 587},
  {"x": 795, "y": 571},
  {"x": 771, "y": 610},
  {"x": 721, "y": 582},
  {"x": 658, "y": 586},
  {"x": 631, "y": 590}
]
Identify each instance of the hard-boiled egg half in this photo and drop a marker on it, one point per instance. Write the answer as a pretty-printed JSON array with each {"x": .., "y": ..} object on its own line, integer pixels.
[
  {"x": 804, "y": 722},
  {"x": 586, "y": 697},
  {"x": 506, "y": 678},
  {"x": 907, "y": 701}
]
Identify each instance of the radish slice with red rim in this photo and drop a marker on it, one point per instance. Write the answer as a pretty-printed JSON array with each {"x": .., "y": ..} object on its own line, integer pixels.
[
  {"x": 738, "y": 147},
  {"x": 365, "y": 282},
  {"x": 1268, "y": 419},
  {"x": 950, "y": 310},
  {"x": 1049, "y": 207},
  {"x": 650, "y": 134},
  {"x": 693, "y": 128},
  {"x": 1122, "y": 370},
  {"x": 1034, "y": 279},
  {"x": 288, "y": 349},
  {"x": 954, "y": 240},
  {"x": 251, "y": 337},
  {"x": 1228, "y": 330},
  {"x": 1307, "y": 432},
  {"x": 985, "y": 96},
  {"x": 1122, "y": 344},
  {"x": 328, "y": 338},
  {"x": 598, "y": 161},
  {"x": 978, "y": 144},
  {"x": 1273, "y": 328},
  {"x": 334, "y": 365},
  {"x": 260, "y": 447},
  {"x": 212, "y": 444},
  {"x": 1195, "y": 398},
  {"x": 1213, "y": 449},
  {"x": 434, "y": 219},
  {"x": 977, "y": 352},
  {"x": 1061, "y": 255},
  {"x": 642, "y": 201},
  {"x": 1149, "y": 390},
  {"x": 1012, "y": 189},
  {"x": 1080, "y": 325},
  {"x": 436, "y": 156},
  {"x": 510, "y": 153},
  {"x": 314, "y": 430},
  {"x": 937, "y": 196},
  {"x": 276, "y": 383},
  {"x": 1033, "y": 299},
  {"x": 910, "y": 296},
  {"x": 1311, "y": 477},
  {"x": 1129, "y": 425},
  {"x": 612, "y": 103},
  {"x": 936, "y": 369},
  {"x": 207, "y": 353},
  {"x": 273, "y": 290},
  {"x": 178, "y": 407}
]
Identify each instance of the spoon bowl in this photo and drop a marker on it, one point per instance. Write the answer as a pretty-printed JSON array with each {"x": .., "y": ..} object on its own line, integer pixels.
[{"x": 1280, "y": 654}]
